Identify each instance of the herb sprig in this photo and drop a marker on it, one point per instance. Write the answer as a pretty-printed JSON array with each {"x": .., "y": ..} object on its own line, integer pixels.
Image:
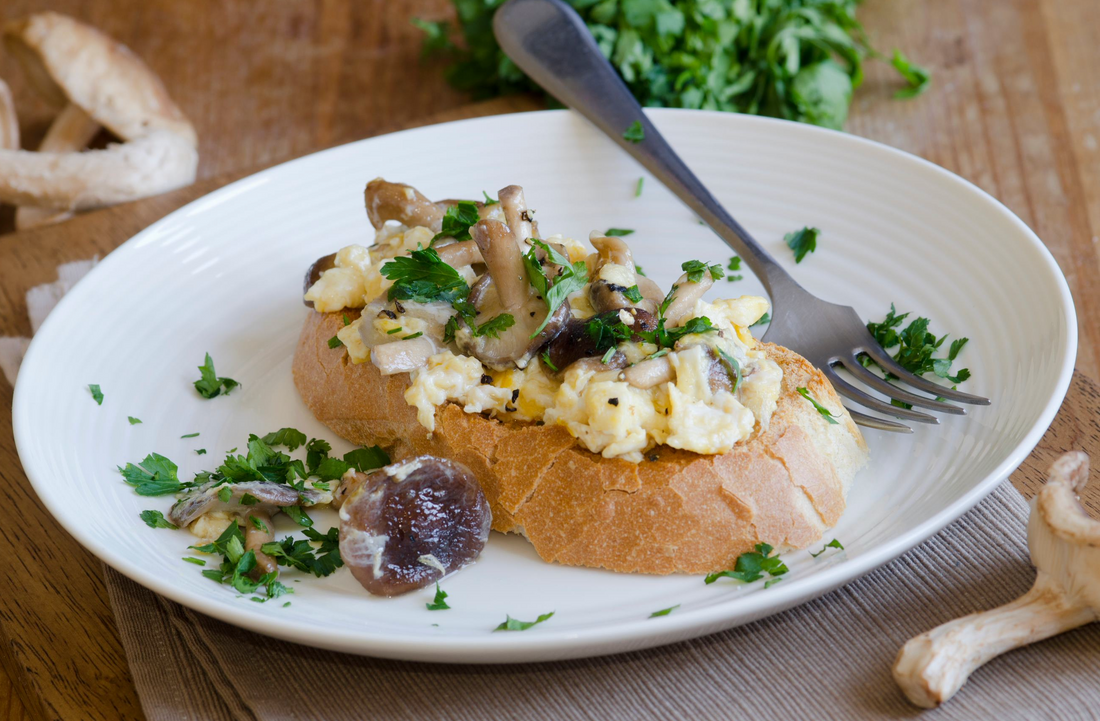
[{"x": 752, "y": 566}]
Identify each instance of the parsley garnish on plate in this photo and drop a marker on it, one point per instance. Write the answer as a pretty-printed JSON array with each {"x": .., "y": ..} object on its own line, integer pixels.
[
  {"x": 439, "y": 603},
  {"x": 210, "y": 385},
  {"x": 802, "y": 242},
  {"x": 917, "y": 77},
  {"x": 289, "y": 437},
  {"x": 156, "y": 519},
  {"x": 367, "y": 459},
  {"x": 190, "y": 435},
  {"x": 825, "y": 412},
  {"x": 200, "y": 452},
  {"x": 97, "y": 393},
  {"x": 196, "y": 561},
  {"x": 831, "y": 544},
  {"x": 133, "y": 421},
  {"x": 696, "y": 268},
  {"x": 635, "y": 133},
  {"x": 664, "y": 611},
  {"x": 513, "y": 624},
  {"x": 298, "y": 553},
  {"x": 571, "y": 278},
  {"x": 638, "y": 187},
  {"x": 752, "y": 566},
  {"x": 154, "y": 476}
]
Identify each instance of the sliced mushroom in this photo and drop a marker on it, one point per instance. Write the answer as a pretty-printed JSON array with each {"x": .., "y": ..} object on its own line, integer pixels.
[
  {"x": 70, "y": 62},
  {"x": 410, "y": 524},
  {"x": 70, "y": 132},
  {"x": 9, "y": 121},
  {"x": 649, "y": 373},
  {"x": 650, "y": 290},
  {"x": 505, "y": 262},
  {"x": 685, "y": 295},
  {"x": 319, "y": 266},
  {"x": 613, "y": 275},
  {"x": 269, "y": 496},
  {"x": 516, "y": 214},
  {"x": 403, "y": 203},
  {"x": 577, "y": 339},
  {"x": 403, "y": 356}
]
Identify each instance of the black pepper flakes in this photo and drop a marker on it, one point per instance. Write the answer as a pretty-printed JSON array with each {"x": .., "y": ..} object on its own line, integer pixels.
[
  {"x": 388, "y": 313},
  {"x": 515, "y": 394},
  {"x": 655, "y": 457},
  {"x": 487, "y": 379},
  {"x": 400, "y": 308},
  {"x": 613, "y": 401},
  {"x": 510, "y": 409}
]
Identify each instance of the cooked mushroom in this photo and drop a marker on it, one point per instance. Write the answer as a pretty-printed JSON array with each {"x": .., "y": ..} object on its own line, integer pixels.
[
  {"x": 685, "y": 295},
  {"x": 460, "y": 254},
  {"x": 70, "y": 132},
  {"x": 269, "y": 496},
  {"x": 613, "y": 275},
  {"x": 505, "y": 290},
  {"x": 580, "y": 338},
  {"x": 9, "y": 121},
  {"x": 410, "y": 524},
  {"x": 256, "y": 533},
  {"x": 516, "y": 214},
  {"x": 403, "y": 356},
  {"x": 69, "y": 62},
  {"x": 325, "y": 262},
  {"x": 400, "y": 202},
  {"x": 649, "y": 373}
]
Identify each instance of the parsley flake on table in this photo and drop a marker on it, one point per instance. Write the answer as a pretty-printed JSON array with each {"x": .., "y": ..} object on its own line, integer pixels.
[
  {"x": 439, "y": 603},
  {"x": 513, "y": 624},
  {"x": 133, "y": 421},
  {"x": 831, "y": 544},
  {"x": 210, "y": 385},
  {"x": 664, "y": 611},
  {"x": 802, "y": 242},
  {"x": 825, "y": 412},
  {"x": 917, "y": 77},
  {"x": 97, "y": 393},
  {"x": 635, "y": 133},
  {"x": 156, "y": 519},
  {"x": 752, "y": 566}
]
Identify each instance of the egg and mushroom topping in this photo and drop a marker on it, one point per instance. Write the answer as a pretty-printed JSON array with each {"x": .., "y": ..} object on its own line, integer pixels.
[{"x": 482, "y": 312}]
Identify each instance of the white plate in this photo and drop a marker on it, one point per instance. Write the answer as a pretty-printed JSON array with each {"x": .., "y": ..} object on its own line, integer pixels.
[{"x": 224, "y": 275}]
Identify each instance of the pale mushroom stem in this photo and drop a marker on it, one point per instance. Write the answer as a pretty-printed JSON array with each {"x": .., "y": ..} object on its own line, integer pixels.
[
  {"x": 9, "y": 121},
  {"x": 686, "y": 294},
  {"x": 400, "y": 202},
  {"x": 516, "y": 214},
  {"x": 70, "y": 132},
  {"x": 458, "y": 255},
  {"x": 505, "y": 263},
  {"x": 933, "y": 666},
  {"x": 255, "y": 538}
]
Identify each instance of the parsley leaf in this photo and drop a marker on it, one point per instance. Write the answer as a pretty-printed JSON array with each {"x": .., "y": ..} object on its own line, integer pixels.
[
  {"x": 210, "y": 385},
  {"x": 618, "y": 232},
  {"x": 423, "y": 277},
  {"x": 916, "y": 348},
  {"x": 457, "y": 221},
  {"x": 638, "y": 188},
  {"x": 733, "y": 368},
  {"x": 298, "y": 515},
  {"x": 331, "y": 469},
  {"x": 572, "y": 278},
  {"x": 154, "y": 476},
  {"x": 664, "y": 611},
  {"x": 133, "y": 421},
  {"x": 696, "y": 268},
  {"x": 97, "y": 393},
  {"x": 300, "y": 554},
  {"x": 633, "y": 294},
  {"x": 335, "y": 342},
  {"x": 825, "y": 412},
  {"x": 548, "y": 362},
  {"x": 190, "y": 435},
  {"x": 489, "y": 201},
  {"x": 156, "y": 519},
  {"x": 635, "y": 133},
  {"x": 802, "y": 242},
  {"x": 831, "y": 544},
  {"x": 289, "y": 437},
  {"x": 366, "y": 459},
  {"x": 512, "y": 624},
  {"x": 917, "y": 77},
  {"x": 752, "y": 566},
  {"x": 438, "y": 604},
  {"x": 492, "y": 327},
  {"x": 763, "y": 320}
]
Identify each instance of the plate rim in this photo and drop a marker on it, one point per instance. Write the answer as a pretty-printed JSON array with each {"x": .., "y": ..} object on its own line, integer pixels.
[{"x": 549, "y": 644}]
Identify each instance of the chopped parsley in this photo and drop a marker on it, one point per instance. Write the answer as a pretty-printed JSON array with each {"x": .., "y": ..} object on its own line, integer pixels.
[
  {"x": 607, "y": 356},
  {"x": 347, "y": 321},
  {"x": 512, "y": 624},
  {"x": 664, "y": 611},
  {"x": 825, "y": 412},
  {"x": 97, "y": 393},
  {"x": 196, "y": 561},
  {"x": 696, "y": 268},
  {"x": 423, "y": 277},
  {"x": 618, "y": 232},
  {"x": 156, "y": 519},
  {"x": 639, "y": 271},
  {"x": 457, "y": 221},
  {"x": 763, "y": 320},
  {"x": 733, "y": 368},
  {"x": 190, "y": 435},
  {"x": 210, "y": 385},
  {"x": 638, "y": 188},
  {"x": 489, "y": 201},
  {"x": 831, "y": 544},
  {"x": 299, "y": 516},
  {"x": 917, "y": 77},
  {"x": 802, "y": 242},
  {"x": 301, "y": 555},
  {"x": 633, "y": 294},
  {"x": 635, "y": 133},
  {"x": 224, "y": 494},
  {"x": 200, "y": 452},
  {"x": 154, "y": 476},
  {"x": 133, "y": 421},
  {"x": 571, "y": 278},
  {"x": 289, "y": 437},
  {"x": 548, "y": 362},
  {"x": 439, "y": 603},
  {"x": 258, "y": 524},
  {"x": 367, "y": 459},
  {"x": 493, "y": 327},
  {"x": 733, "y": 266},
  {"x": 335, "y": 342},
  {"x": 752, "y": 566}
]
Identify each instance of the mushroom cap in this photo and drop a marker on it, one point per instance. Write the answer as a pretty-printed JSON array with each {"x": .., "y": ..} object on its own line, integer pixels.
[{"x": 68, "y": 61}]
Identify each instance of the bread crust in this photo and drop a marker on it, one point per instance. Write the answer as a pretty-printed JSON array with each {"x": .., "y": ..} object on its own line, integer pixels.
[{"x": 680, "y": 513}]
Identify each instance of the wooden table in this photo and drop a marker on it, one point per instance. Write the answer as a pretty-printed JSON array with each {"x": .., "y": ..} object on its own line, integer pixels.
[{"x": 1015, "y": 108}]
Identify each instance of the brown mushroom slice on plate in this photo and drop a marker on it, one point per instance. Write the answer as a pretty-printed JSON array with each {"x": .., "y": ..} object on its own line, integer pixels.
[
  {"x": 409, "y": 524},
  {"x": 69, "y": 62}
]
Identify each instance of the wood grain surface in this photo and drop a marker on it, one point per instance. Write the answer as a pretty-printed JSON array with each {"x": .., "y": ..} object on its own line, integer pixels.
[{"x": 1014, "y": 107}]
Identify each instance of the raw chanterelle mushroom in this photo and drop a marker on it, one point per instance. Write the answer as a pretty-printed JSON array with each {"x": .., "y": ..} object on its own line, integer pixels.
[
  {"x": 71, "y": 63},
  {"x": 1065, "y": 548}
]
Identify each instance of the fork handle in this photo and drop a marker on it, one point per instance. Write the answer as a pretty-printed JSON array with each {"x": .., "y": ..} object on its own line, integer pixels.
[{"x": 549, "y": 41}]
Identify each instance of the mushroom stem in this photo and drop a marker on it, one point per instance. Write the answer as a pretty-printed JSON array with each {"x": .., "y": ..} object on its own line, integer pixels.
[
  {"x": 150, "y": 165},
  {"x": 505, "y": 263},
  {"x": 933, "y": 666},
  {"x": 1058, "y": 506},
  {"x": 649, "y": 373},
  {"x": 70, "y": 132},
  {"x": 402, "y": 356},
  {"x": 514, "y": 204},
  {"x": 403, "y": 203},
  {"x": 9, "y": 121},
  {"x": 685, "y": 296},
  {"x": 255, "y": 538},
  {"x": 460, "y": 254}
]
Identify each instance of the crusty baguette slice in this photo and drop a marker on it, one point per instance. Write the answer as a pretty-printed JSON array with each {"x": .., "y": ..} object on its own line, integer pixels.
[{"x": 682, "y": 512}]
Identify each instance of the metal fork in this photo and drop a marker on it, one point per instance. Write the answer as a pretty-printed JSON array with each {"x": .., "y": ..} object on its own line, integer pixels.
[{"x": 550, "y": 42}]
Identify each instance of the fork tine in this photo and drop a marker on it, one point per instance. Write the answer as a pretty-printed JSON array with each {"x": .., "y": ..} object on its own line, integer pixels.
[
  {"x": 866, "y": 399},
  {"x": 875, "y": 422},
  {"x": 883, "y": 359},
  {"x": 889, "y": 389}
]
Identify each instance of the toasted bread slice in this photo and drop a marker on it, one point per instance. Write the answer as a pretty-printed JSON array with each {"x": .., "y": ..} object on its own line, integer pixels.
[{"x": 677, "y": 512}]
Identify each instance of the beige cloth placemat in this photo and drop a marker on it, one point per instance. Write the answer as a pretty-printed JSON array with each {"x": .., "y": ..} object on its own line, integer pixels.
[{"x": 827, "y": 659}]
